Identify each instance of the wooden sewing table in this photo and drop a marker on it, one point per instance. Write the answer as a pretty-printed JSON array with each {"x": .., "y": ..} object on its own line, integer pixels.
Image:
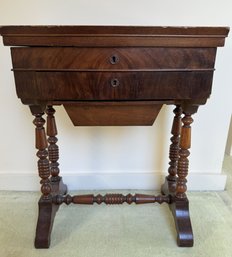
[{"x": 117, "y": 76}]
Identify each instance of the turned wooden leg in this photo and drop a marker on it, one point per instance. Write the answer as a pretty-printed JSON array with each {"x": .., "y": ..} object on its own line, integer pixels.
[
  {"x": 53, "y": 149},
  {"x": 53, "y": 153},
  {"x": 170, "y": 180},
  {"x": 174, "y": 147},
  {"x": 47, "y": 209},
  {"x": 42, "y": 153},
  {"x": 183, "y": 162},
  {"x": 43, "y": 229},
  {"x": 180, "y": 204}
]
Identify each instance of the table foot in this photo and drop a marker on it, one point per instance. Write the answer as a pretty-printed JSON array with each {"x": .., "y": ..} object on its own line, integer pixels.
[
  {"x": 180, "y": 211},
  {"x": 47, "y": 212}
]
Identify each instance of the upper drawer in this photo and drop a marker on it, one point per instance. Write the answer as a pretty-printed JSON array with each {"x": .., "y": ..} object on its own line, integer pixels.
[{"x": 45, "y": 58}]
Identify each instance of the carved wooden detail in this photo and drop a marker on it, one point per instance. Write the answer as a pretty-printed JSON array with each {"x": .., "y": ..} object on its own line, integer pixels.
[
  {"x": 183, "y": 162},
  {"x": 174, "y": 147},
  {"x": 111, "y": 199},
  {"x": 53, "y": 149},
  {"x": 43, "y": 163}
]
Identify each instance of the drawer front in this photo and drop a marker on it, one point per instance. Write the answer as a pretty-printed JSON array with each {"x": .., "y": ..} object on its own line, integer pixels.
[
  {"x": 112, "y": 58},
  {"x": 174, "y": 85},
  {"x": 76, "y": 85},
  {"x": 113, "y": 85}
]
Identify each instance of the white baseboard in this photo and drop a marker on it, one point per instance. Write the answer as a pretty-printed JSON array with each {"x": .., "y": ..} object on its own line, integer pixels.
[{"x": 110, "y": 181}]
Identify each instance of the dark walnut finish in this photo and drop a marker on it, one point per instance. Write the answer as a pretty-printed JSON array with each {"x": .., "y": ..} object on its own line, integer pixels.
[{"x": 117, "y": 76}]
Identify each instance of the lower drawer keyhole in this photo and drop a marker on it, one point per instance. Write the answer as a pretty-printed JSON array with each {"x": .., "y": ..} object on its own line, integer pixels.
[{"x": 114, "y": 82}]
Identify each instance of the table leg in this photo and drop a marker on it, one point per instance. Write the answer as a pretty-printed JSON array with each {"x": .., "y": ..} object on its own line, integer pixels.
[
  {"x": 42, "y": 154},
  {"x": 183, "y": 162},
  {"x": 53, "y": 152},
  {"x": 47, "y": 209},
  {"x": 170, "y": 180},
  {"x": 180, "y": 204}
]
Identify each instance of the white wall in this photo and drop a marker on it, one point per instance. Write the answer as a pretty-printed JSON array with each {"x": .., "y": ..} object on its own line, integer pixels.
[{"x": 119, "y": 152}]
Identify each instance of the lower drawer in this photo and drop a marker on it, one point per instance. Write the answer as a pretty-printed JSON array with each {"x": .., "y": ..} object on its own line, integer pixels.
[
  {"x": 108, "y": 85},
  {"x": 134, "y": 113}
]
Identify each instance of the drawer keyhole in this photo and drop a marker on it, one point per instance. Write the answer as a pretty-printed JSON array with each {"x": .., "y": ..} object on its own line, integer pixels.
[
  {"x": 114, "y": 82},
  {"x": 114, "y": 59}
]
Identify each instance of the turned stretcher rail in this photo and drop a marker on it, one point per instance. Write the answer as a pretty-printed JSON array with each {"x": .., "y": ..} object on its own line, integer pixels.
[{"x": 111, "y": 199}]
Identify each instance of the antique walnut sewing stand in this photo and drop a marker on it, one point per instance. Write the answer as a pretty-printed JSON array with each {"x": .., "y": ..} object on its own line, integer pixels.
[{"x": 112, "y": 75}]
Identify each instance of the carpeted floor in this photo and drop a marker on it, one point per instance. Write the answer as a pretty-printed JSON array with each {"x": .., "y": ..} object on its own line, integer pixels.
[{"x": 118, "y": 231}]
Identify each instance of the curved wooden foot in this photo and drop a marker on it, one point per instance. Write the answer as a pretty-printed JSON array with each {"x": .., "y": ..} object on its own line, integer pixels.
[
  {"x": 47, "y": 212},
  {"x": 180, "y": 211}
]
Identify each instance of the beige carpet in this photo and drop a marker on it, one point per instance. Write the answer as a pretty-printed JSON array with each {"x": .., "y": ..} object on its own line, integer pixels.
[{"x": 122, "y": 231}]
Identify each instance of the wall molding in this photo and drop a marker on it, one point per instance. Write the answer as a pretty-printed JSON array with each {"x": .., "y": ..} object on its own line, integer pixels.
[{"x": 110, "y": 181}]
